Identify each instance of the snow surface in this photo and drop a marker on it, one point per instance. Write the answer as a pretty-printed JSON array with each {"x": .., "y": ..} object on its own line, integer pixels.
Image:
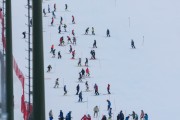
[{"x": 145, "y": 78}]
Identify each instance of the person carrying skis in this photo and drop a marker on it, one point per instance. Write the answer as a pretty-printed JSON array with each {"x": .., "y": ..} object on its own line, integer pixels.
[
  {"x": 93, "y": 33},
  {"x": 69, "y": 39},
  {"x": 96, "y": 89},
  {"x": 94, "y": 44},
  {"x": 56, "y": 83},
  {"x": 59, "y": 28},
  {"x": 132, "y": 44},
  {"x": 108, "y": 89},
  {"x": 52, "y": 20},
  {"x": 86, "y": 62},
  {"x": 66, "y": 7},
  {"x": 70, "y": 48},
  {"x": 77, "y": 89},
  {"x": 49, "y": 9},
  {"x": 73, "y": 21},
  {"x": 74, "y": 40},
  {"x": 50, "y": 115},
  {"x": 84, "y": 117},
  {"x": 142, "y": 115},
  {"x": 68, "y": 116},
  {"x": 80, "y": 77},
  {"x": 61, "y": 117},
  {"x": 73, "y": 54},
  {"x": 73, "y": 32},
  {"x": 65, "y": 91},
  {"x": 87, "y": 86},
  {"x": 83, "y": 72},
  {"x": 49, "y": 68},
  {"x": 109, "y": 104},
  {"x": 79, "y": 62},
  {"x": 87, "y": 72},
  {"x": 108, "y": 33},
  {"x": 24, "y": 34},
  {"x": 59, "y": 55},
  {"x": 80, "y": 97},
  {"x": 54, "y": 7},
  {"x": 87, "y": 30},
  {"x": 96, "y": 110},
  {"x": 44, "y": 12}
]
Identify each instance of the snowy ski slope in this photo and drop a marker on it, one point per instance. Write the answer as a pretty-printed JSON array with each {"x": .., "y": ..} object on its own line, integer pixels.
[{"x": 144, "y": 78}]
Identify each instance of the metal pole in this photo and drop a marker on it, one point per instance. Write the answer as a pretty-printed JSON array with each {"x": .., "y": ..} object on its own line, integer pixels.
[
  {"x": 38, "y": 63},
  {"x": 29, "y": 58},
  {"x": 4, "y": 19},
  {"x": 9, "y": 63}
]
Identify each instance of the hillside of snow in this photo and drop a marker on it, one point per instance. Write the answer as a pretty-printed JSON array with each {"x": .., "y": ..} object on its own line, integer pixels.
[{"x": 145, "y": 78}]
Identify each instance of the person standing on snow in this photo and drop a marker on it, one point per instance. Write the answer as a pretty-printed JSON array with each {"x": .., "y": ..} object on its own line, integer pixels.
[
  {"x": 54, "y": 7},
  {"x": 145, "y": 116},
  {"x": 87, "y": 86},
  {"x": 24, "y": 34},
  {"x": 93, "y": 33},
  {"x": 133, "y": 115},
  {"x": 53, "y": 14},
  {"x": 69, "y": 39},
  {"x": 65, "y": 91},
  {"x": 86, "y": 62},
  {"x": 54, "y": 54},
  {"x": 132, "y": 44},
  {"x": 108, "y": 89},
  {"x": 61, "y": 117},
  {"x": 49, "y": 68},
  {"x": 44, "y": 12},
  {"x": 59, "y": 55},
  {"x": 68, "y": 116},
  {"x": 61, "y": 20},
  {"x": 120, "y": 116},
  {"x": 65, "y": 26},
  {"x": 80, "y": 97},
  {"x": 49, "y": 9},
  {"x": 96, "y": 111},
  {"x": 59, "y": 28},
  {"x": 77, "y": 89},
  {"x": 73, "y": 32},
  {"x": 56, "y": 83},
  {"x": 110, "y": 113},
  {"x": 94, "y": 44},
  {"x": 50, "y": 115},
  {"x": 52, "y": 48},
  {"x": 66, "y": 7},
  {"x": 83, "y": 72},
  {"x": 142, "y": 115},
  {"x": 80, "y": 77},
  {"x": 109, "y": 104},
  {"x": 73, "y": 54},
  {"x": 104, "y": 117},
  {"x": 108, "y": 33},
  {"x": 52, "y": 20},
  {"x": 79, "y": 62},
  {"x": 96, "y": 89},
  {"x": 84, "y": 117},
  {"x": 73, "y": 21},
  {"x": 87, "y": 72},
  {"x": 87, "y": 30},
  {"x": 74, "y": 40},
  {"x": 70, "y": 48}
]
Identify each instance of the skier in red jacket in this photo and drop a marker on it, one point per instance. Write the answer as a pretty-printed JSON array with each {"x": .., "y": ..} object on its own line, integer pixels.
[
  {"x": 87, "y": 72},
  {"x": 84, "y": 117}
]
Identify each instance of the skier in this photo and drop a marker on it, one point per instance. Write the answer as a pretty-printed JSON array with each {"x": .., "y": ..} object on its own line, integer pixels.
[
  {"x": 87, "y": 86},
  {"x": 73, "y": 21},
  {"x": 120, "y": 116},
  {"x": 74, "y": 40},
  {"x": 93, "y": 53},
  {"x": 109, "y": 104},
  {"x": 65, "y": 26},
  {"x": 87, "y": 30},
  {"x": 52, "y": 48},
  {"x": 49, "y": 8},
  {"x": 59, "y": 55},
  {"x": 83, "y": 72},
  {"x": 86, "y": 62},
  {"x": 50, "y": 115},
  {"x": 69, "y": 39},
  {"x": 132, "y": 44},
  {"x": 52, "y": 21},
  {"x": 61, "y": 117},
  {"x": 110, "y": 113},
  {"x": 136, "y": 117},
  {"x": 93, "y": 33},
  {"x": 94, "y": 44},
  {"x": 88, "y": 117},
  {"x": 79, "y": 62},
  {"x": 66, "y": 7},
  {"x": 80, "y": 97},
  {"x": 49, "y": 68},
  {"x": 56, "y": 83},
  {"x": 73, "y": 32},
  {"x": 73, "y": 54},
  {"x": 61, "y": 20},
  {"x": 104, "y": 117},
  {"x": 108, "y": 33},
  {"x": 96, "y": 110},
  {"x": 44, "y": 12},
  {"x": 142, "y": 115},
  {"x": 65, "y": 91},
  {"x": 77, "y": 88},
  {"x": 53, "y": 14},
  {"x": 96, "y": 89},
  {"x": 145, "y": 116},
  {"x": 68, "y": 116},
  {"x": 84, "y": 117},
  {"x": 133, "y": 115},
  {"x": 70, "y": 48},
  {"x": 80, "y": 77},
  {"x": 24, "y": 34},
  {"x": 108, "y": 89},
  {"x": 59, "y": 28},
  {"x": 54, "y": 7},
  {"x": 61, "y": 41},
  {"x": 54, "y": 53},
  {"x": 87, "y": 72}
]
